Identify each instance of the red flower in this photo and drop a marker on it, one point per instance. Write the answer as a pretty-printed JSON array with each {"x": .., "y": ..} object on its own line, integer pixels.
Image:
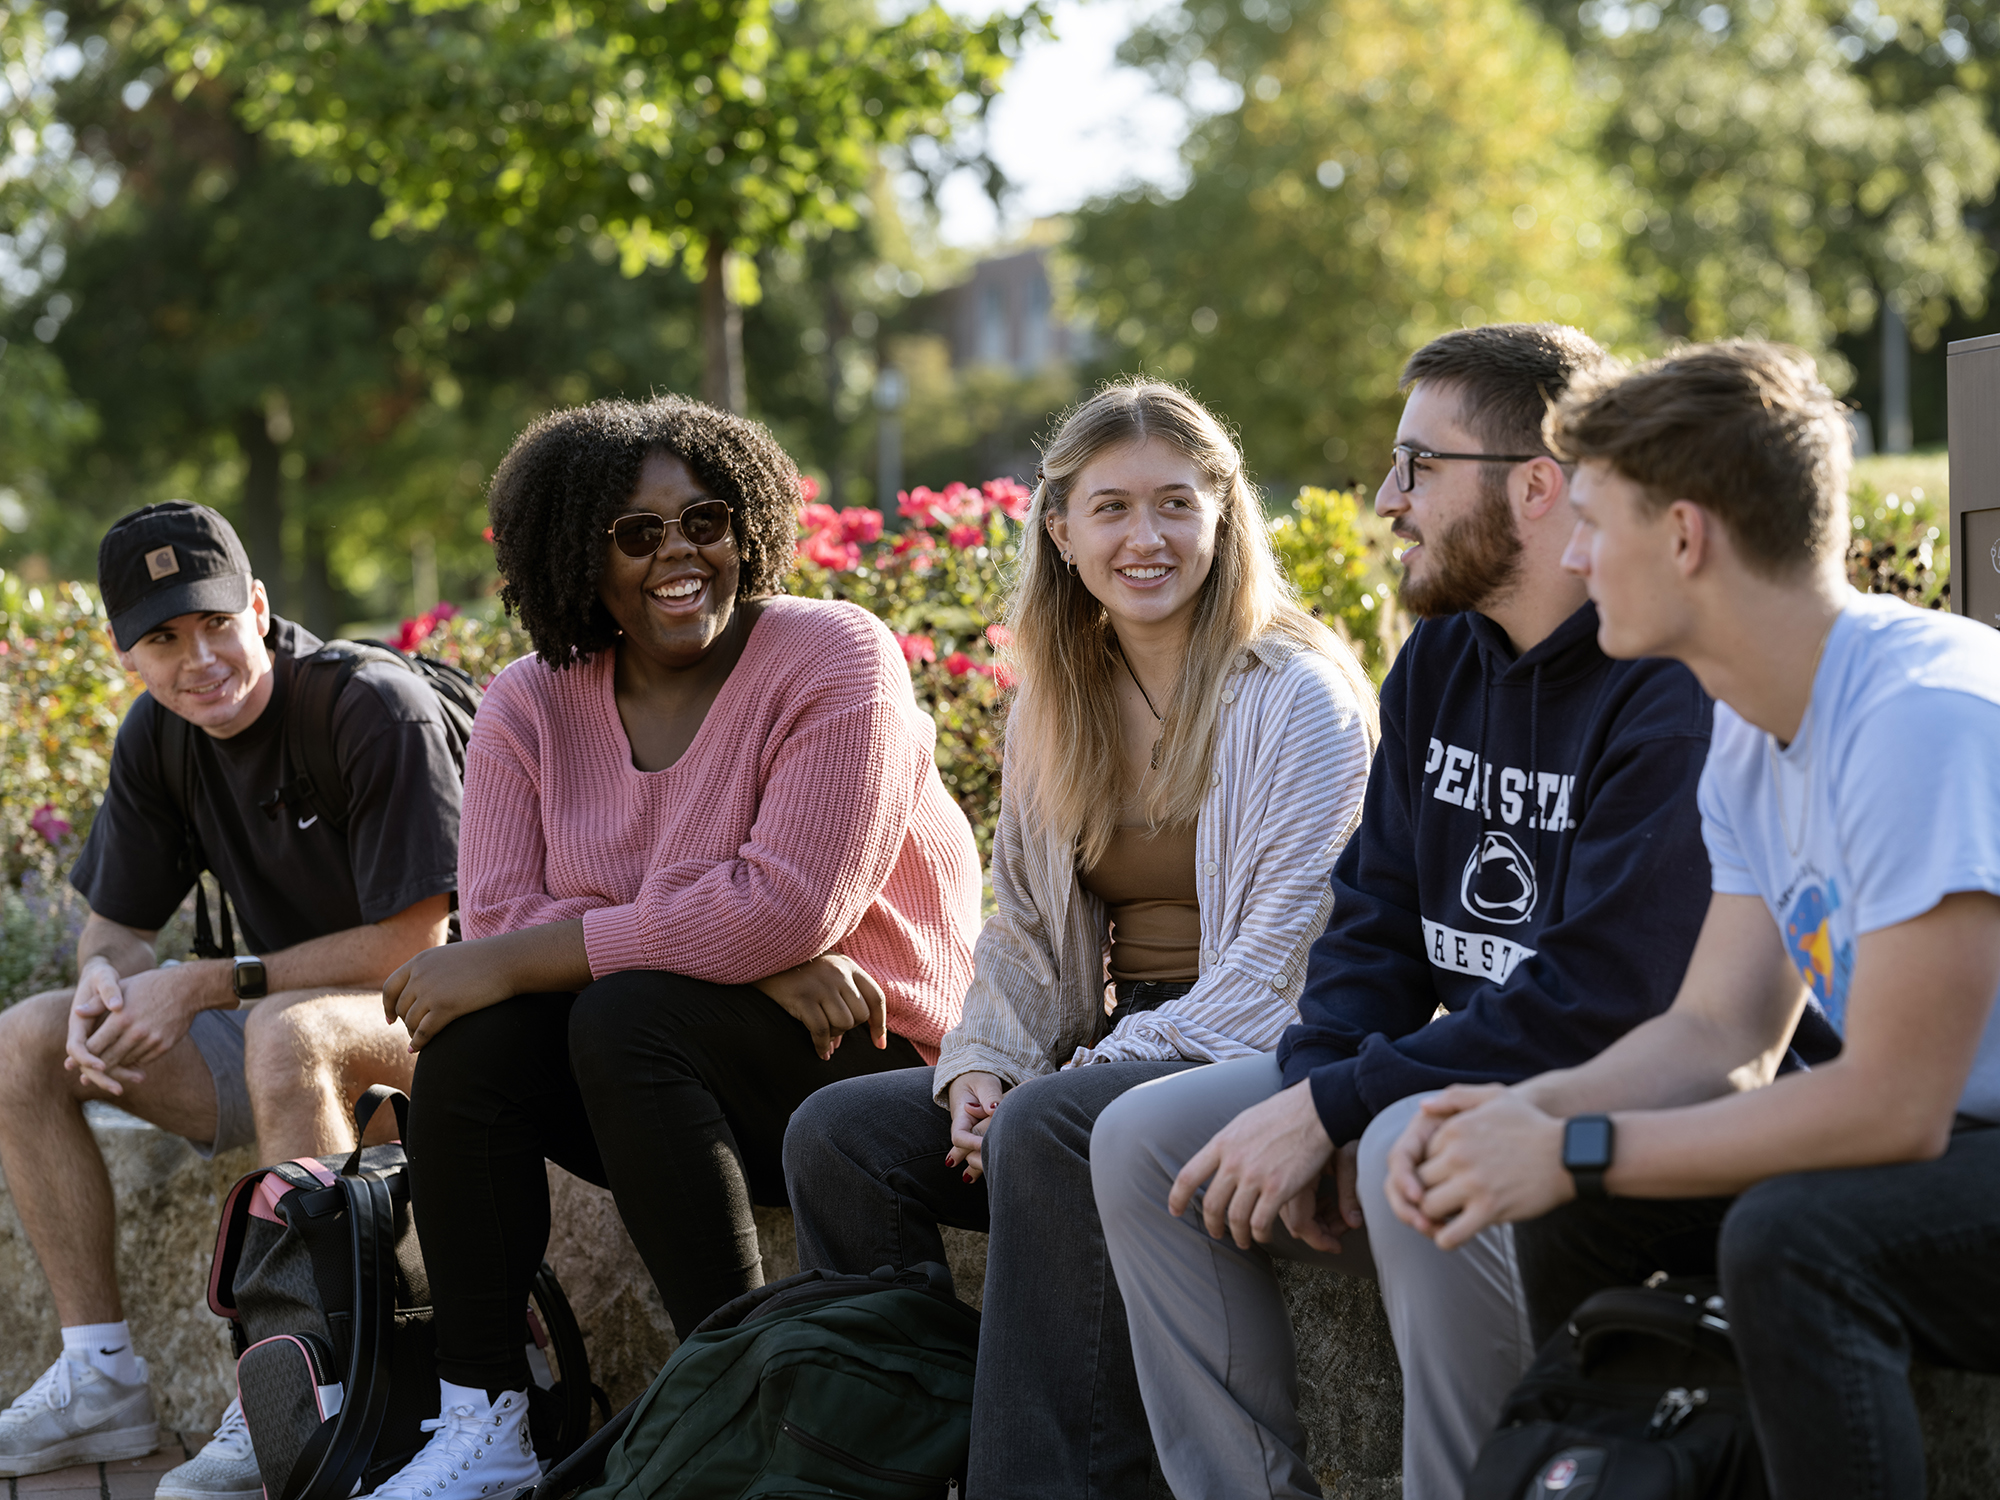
[
  {"x": 860, "y": 524},
  {"x": 50, "y": 824},
  {"x": 917, "y": 648},
  {"x": 958, "y": 664},
  {"x": 999, "y": 637},
  {"x": 1010, "y": 497},
  {"x": 487, "y": 533},
  {"x": 1003, "y": 675},
  {"x": 445, "y": 611},
  {"x": 808, "y": 488},
  {"x": 826, "y": 550},
  {"x": 410, "y": 634},
  {"x": 920, "y": 541},
  {"x": 920, "y": 505},
  {"x": 965, "y": 536},
  {"x": 818, "y": 518}
]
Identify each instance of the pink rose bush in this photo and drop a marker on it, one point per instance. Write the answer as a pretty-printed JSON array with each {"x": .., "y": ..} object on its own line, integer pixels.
[{"x": 936, "y": 580}]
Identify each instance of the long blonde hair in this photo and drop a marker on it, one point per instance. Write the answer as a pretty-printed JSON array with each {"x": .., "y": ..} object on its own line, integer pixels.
[{"x": 1063, "y": 736}]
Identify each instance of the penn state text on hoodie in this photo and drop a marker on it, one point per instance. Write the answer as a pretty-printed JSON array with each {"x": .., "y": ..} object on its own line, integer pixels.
[{"x": 1529, "y": 859}]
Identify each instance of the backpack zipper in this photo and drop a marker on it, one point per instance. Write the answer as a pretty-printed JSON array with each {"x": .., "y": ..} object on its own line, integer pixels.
[
  {"x": 860, "y": 1466},
  {"x": 1675, "y": 1407}
]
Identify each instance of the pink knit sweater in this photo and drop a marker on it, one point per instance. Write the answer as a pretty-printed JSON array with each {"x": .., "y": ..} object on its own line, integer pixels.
[{"x": 806, "y": 816}]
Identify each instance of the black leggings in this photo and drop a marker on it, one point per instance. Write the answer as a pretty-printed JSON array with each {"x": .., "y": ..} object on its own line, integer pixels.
[{"x": 672, "y": 1092}]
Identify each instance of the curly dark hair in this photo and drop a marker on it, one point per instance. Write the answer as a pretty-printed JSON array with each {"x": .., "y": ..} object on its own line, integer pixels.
[{"x": 566, "y": 477}]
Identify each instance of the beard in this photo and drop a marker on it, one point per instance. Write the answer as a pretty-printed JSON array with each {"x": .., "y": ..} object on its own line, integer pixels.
[{"x": 1471, "y": 560}]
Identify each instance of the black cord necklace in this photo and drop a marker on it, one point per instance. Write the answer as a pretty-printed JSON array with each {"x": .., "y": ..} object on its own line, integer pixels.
[{"x": 1155, "y": 762}]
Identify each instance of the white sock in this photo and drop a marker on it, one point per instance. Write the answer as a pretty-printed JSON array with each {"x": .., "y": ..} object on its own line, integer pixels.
[{"x": 107, "y": 1347}]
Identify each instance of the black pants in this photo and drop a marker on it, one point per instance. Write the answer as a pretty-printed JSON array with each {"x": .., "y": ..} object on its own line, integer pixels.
[
  {"x": 671, "y": 1092},
  {"x": 1835, "y": 1281}
]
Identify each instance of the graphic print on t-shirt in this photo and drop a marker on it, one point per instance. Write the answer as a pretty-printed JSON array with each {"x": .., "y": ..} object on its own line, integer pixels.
[{"x": 1823, "y": 959}]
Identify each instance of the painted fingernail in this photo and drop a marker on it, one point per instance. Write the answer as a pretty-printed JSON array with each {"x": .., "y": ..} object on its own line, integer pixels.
[{"x": 968, "y": 1177}]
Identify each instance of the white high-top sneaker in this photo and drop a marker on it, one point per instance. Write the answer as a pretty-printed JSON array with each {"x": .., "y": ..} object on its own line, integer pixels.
[
  {"x": 479, "y": 1450},
  {"x": 226, "y": 1469},
  {"x": 76, "y": 1414}
]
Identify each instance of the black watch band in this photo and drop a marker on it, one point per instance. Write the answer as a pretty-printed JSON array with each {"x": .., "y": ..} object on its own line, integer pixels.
[
  {"x": 248, "y": 979},
  {"x": 1587, "y": 1149}
]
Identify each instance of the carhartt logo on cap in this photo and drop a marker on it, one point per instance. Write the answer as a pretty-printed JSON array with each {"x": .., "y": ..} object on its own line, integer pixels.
[{"x": 161, "y": 561}]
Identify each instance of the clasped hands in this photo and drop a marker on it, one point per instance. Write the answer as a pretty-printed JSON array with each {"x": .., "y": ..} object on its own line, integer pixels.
[
  {"x": 1475, "y": 1156},
  {"x": 117, "y": 1026}
]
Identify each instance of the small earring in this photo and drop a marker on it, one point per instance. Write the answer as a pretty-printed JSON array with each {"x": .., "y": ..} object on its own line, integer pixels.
[{"x": 1070, "y": 558}]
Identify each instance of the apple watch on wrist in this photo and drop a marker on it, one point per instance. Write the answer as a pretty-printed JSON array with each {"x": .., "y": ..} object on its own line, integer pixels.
[
  {"x": 1587, "y": 1147},
  {"x": 248, "y": 979}
]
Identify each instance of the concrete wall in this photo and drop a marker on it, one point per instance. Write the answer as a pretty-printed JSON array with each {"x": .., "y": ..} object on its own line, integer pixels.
[{"x": 169, "y": 1199}]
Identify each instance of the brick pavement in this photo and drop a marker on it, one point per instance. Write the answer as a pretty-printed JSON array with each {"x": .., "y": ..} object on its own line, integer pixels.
[{"x": 130, "y": 1479}]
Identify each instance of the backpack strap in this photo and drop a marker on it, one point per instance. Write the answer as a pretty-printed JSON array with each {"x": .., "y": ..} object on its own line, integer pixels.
[
  {"x": 307, "y": 757},
  {"x": 372, "y": 1099},
  {"x": 331, "y": 1464},
  {"x": 175, "y": 741}
]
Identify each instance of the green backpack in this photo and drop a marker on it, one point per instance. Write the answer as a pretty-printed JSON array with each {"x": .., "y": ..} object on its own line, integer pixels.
[{"x": 821, "y": 1385}]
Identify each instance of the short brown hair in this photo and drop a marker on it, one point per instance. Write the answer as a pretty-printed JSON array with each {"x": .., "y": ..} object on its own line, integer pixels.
[
  {"x": 1507, "y": 376},
  {"x": 1743, "y": 429}
]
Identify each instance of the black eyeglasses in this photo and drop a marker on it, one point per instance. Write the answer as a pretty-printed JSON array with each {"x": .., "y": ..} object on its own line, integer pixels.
[
  {"x": 640, "y": 534},
  {"x": 1405, "y": 470}
]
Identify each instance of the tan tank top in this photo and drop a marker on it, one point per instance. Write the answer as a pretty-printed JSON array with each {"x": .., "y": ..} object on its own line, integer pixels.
[{"x": 1147, "y": 882}]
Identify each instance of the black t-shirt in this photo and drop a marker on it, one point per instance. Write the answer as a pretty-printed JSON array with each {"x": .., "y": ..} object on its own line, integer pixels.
[{"x": 288, "y": 879}]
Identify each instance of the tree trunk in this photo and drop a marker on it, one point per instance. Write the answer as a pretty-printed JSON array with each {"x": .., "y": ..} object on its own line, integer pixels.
[
  {"x": 721, "y": 336},
  {"x": 318, "y": 601},
  {"x": 262, "y": 511}
]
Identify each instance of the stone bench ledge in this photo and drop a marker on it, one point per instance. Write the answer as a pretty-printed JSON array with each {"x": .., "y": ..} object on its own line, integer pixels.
[{"x": 169, "y": 1198}]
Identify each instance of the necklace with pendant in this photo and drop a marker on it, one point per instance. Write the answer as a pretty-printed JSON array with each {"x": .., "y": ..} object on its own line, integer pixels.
[{"x": 1161, "y": 738}]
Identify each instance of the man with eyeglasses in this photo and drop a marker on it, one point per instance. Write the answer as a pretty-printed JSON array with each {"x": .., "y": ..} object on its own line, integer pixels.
[
  {"x": 1525, "y": 886},
  {"x": 271, "y": 1046}
]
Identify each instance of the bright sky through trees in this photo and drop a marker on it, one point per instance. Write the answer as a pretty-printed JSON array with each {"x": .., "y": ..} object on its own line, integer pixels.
[{"x": 1072, "y": 124}]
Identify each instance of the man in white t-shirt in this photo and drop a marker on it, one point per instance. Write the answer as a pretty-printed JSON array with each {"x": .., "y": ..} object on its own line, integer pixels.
[{"x": 1853, "y": 827}]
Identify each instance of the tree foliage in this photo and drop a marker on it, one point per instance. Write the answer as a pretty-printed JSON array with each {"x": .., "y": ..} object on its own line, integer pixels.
[
  {"x": 1787, "y": 181},
  {"x": 1396, "y": 168},
  {"x": 675, "y": 132}
]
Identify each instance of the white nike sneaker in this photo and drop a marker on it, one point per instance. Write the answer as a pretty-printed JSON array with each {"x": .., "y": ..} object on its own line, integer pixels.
[
  {"x": 226, "y": 1469},
  {"x": 76, "y": 1414},
  {"x": 479, "y": 1450}
]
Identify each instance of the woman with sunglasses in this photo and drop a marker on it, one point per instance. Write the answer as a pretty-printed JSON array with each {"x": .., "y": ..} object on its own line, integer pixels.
[
  {"x": 1186, "y": 755},
  {"x": 707, "y": 866}
]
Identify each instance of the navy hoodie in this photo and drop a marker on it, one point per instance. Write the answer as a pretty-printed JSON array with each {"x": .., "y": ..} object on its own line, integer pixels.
[{"x": 1529, "y": 859}]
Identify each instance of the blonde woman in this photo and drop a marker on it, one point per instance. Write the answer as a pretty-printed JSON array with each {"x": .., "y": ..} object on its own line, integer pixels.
[{"x": 1186, "y": 756}]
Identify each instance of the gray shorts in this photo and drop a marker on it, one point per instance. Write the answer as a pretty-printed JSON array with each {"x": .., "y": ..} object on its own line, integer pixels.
[{"x": 218, "y": 1036}]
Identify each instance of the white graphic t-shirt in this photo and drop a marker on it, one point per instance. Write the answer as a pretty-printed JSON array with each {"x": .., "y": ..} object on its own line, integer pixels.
[{"x": 1886, "y": 802}]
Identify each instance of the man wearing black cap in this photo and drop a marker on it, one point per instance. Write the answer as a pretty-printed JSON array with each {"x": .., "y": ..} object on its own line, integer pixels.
[{"x": 270, "y": 1046}]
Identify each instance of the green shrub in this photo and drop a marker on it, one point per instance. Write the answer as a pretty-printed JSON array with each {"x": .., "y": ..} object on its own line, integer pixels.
[
  {"x": 1339, "y": 555},
  {"x": 1898, "y": 510}
]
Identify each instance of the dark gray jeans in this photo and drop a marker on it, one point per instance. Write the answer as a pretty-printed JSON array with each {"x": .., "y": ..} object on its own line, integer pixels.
[
  {"x": 1056, "y": 1409},
  {"x": 1835, "y": 1281}
]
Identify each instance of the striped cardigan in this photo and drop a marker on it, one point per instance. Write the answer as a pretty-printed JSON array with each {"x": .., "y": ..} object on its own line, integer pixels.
[{"x": 1291, "y": 763}]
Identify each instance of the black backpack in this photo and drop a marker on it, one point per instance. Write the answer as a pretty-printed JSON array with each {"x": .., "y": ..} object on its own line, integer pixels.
[
  {"x": 846, "y": 1387},
  {"x": 322, "y": 1279},
  {"x": 1638, "y": 1398},
  {"x": 312, "y": 785}
]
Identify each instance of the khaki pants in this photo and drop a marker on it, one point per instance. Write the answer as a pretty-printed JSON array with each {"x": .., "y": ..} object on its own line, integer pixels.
[{"x": 1209, "y": 1331}]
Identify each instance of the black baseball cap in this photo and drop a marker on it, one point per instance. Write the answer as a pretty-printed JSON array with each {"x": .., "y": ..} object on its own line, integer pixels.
[{"x": 165, "y": 560}]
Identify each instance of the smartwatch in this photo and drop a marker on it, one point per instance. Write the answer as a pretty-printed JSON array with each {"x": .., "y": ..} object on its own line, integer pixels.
[
  {"x": 247, "y": 978},
  {"x": 1587, "y": 1146}
]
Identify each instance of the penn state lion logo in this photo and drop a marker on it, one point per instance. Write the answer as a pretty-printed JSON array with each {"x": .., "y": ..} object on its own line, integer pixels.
[{"x": 1499, "y": 880}]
